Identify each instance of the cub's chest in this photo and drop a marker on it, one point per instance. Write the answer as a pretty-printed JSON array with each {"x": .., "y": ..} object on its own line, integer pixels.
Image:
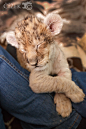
[{"x": 53, "y": 67}]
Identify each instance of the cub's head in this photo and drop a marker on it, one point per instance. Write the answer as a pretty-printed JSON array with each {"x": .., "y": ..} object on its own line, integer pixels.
[{"x": 34, "y": 39}]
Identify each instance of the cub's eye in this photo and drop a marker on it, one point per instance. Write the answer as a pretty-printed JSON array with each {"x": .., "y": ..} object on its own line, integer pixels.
[{"x": 42, "y": 45}]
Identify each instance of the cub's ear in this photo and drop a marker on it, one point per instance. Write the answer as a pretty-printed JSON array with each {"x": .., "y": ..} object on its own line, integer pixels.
[
  {"x": 54, "y": 23},
  {"x": 11, "y": 39}
]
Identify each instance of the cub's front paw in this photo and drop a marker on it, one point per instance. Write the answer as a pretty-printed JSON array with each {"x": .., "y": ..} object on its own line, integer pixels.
[
  {"x": 63, "y": 105},
  {"x": 76, "y": 94}
]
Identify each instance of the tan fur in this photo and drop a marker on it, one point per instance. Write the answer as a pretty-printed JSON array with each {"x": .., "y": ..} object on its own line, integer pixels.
[{"x": 39, "y": 53}]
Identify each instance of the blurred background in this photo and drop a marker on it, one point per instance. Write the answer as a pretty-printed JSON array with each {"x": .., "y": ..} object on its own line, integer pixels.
[{"x": 72, "y": 38}]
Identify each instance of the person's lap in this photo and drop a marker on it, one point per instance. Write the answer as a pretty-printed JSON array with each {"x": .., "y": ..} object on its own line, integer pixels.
[{"x": 16, "y": 97}]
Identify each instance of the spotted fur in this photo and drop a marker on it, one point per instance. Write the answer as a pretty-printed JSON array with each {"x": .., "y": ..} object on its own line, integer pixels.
[
  {"x": 33, "y": 37},
  {"x": 39, "y": 53}
]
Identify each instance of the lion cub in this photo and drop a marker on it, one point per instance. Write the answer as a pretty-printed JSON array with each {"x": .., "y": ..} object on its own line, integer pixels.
[{"x": 40, "y": 54}]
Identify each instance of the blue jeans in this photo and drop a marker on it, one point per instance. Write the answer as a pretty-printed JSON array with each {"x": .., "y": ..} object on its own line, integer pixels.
[{"x": 35, "y": 111}]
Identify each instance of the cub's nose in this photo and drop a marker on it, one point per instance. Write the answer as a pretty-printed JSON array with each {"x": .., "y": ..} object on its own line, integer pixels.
[{"x": 32, "y": 62}]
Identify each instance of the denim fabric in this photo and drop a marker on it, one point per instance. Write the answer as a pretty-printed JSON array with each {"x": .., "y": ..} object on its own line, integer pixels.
[
  {"x": 36, "y": 111},
  {"x": 2, "y": 126}
]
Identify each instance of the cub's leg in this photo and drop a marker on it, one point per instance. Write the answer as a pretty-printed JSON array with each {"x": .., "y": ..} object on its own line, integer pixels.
[
  {"x": 42, "y": 83},
  {"x": 63, "y": 104}
]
